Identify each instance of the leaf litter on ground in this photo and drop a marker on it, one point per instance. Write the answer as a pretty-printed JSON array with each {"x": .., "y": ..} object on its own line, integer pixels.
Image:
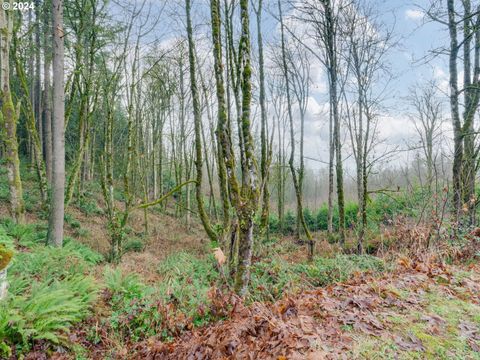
[{"x": 324, "y": 323}]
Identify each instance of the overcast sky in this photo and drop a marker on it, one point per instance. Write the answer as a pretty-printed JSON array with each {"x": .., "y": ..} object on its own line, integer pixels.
[{"x": 411, "y": 62}]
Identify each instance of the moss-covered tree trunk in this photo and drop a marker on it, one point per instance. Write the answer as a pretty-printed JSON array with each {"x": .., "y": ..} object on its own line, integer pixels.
[
  {"x": 226, "y": 157},
  {"x": 265, "y": 153},
  {"x": 471, "y": 80},
  {"x": 464, "y": 156},
  {"x": 244, "y": 198},
  {"x": 197, "y": 117},
  {"x": 84, "y": 55},
  {"x": 29, "y": 111},
  {"x": 281, "y": 174},
  {"x": 249, "y": 192},
  {"x": 36, "y": 85},
  {"x": 8, "y": 121},
  {"x": 5, "y": 258},
  {"x": 331, "y": 161}
]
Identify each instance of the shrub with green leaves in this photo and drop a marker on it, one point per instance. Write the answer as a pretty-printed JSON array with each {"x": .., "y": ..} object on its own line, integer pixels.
[
  {"x": 31, "y": 200},
  {"x": 70, "y": 220},
  {"x": 289, "y": 223},
  {"x": 4, "y": 190},
  {"x": 81, "y": 233},
  {"x": 381, "y": 208},
  {"x": 5, "y": 239},
  {"x": 271, "y": 278}
]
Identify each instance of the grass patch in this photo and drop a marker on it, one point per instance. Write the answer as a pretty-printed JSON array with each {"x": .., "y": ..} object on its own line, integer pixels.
[
  {"x": 443, "y": 341},
  {"x": 324, "y": 271},
  {"x": 372, "y": 348}
]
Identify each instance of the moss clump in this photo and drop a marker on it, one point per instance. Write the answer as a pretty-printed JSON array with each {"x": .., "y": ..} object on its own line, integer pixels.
[{"x": 5, "y": 256}]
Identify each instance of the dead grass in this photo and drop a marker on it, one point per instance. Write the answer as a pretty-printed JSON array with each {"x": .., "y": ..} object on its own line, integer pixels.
[{"x": 167, "y": 235}]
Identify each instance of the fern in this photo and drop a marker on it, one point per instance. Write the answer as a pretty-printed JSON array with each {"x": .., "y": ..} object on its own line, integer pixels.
[
  {"x": 18, "y": 285},
  {"x": 6, "y": 240},
  {"x": 86, "y": 253},
  {"x": 50, "y": 289},
  {"x": 25, "y": 234},
  {"x": 47, "y": 311},
  {"x": 188, "y": 279},
  {"x": 124, "y": 286},
  {"x": 45, "y": 262}
]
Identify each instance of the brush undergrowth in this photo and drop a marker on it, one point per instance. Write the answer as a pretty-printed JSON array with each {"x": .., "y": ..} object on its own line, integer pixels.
[
  {"x": 177, "y": 302},
  {"x": 50, "y": 289},
  {"x": 183, "y": 296}
]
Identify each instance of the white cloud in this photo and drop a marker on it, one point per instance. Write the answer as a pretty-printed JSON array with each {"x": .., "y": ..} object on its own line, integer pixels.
[
  {"x": 317, "y": 73},
  {"x": 441, "y": 78},
  {"x": 414, "y": 14},
  {"x": 396, "y": 129}
]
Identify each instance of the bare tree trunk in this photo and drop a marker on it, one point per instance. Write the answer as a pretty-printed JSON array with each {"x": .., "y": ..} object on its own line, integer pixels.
[
  {"x": 331, "y": 161},
  {"x": 457, "y": 127},
  {"x": 332, "y": 67},
  {"x": 297, "y": 179},
  {"x": 55, "y": 221}
]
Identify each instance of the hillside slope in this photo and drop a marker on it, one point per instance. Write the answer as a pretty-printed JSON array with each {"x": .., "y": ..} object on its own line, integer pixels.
[{"x": 419, "y": 311}]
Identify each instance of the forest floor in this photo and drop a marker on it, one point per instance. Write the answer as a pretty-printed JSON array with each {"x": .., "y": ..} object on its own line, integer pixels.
[
  {"x": 411, "y": 307},
  {"x": 420, "y": 310}
]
